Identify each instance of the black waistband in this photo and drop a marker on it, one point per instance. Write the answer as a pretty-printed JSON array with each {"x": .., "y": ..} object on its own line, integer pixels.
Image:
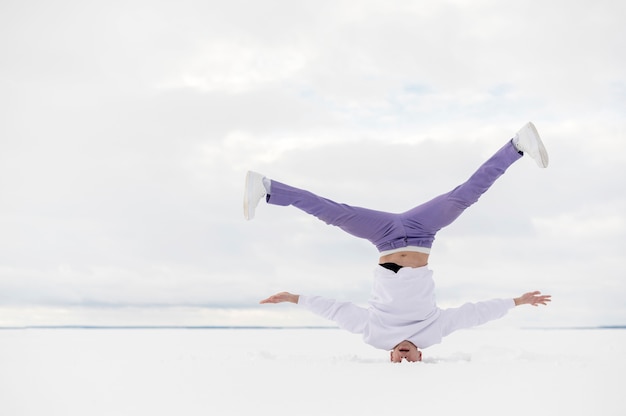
[{"x": 391, "y": 266}]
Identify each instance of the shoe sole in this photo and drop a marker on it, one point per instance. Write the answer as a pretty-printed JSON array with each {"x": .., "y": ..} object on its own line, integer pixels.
[
  {"x": 246, "y": 199},
  {"x": 250, "y": 199},
  {"x": 543, "y": 159}
]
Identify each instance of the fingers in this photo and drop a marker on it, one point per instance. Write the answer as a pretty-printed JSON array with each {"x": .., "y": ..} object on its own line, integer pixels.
[
  {"x": 535, "y": 298},
  {"x": 277, "y": 298},
  {"x": 268, "y": 300},
  {"x": 541, "y": 300}
]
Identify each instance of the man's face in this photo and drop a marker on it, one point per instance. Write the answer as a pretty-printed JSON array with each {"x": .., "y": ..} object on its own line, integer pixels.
[{"x": 405, "y": 351}]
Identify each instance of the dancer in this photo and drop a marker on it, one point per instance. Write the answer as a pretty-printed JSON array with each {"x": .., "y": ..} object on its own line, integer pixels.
[{"x": 403, "y": 316}]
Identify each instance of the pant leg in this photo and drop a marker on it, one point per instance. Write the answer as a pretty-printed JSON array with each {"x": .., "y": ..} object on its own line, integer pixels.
[
  {"x": 424, "y": 221},
  {"x": 374, "y": 226}
]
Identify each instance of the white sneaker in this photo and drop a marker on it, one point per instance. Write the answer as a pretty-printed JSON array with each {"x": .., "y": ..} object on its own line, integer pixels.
[
  {"x": 527, "y": 140},
  {"x": 255, "y": 190}
]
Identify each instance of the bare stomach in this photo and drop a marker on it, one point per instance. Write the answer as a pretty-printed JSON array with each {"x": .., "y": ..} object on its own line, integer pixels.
[{"x": 406, "y": 259}]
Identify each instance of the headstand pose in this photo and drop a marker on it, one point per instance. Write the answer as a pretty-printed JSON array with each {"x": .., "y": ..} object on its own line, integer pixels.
[{"x": 402, "y": 315}]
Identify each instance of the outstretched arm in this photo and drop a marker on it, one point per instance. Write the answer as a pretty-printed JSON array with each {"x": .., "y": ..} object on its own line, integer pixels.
[
  {"x": 533, "y": 298},
  {"x": 347, "y": 315},
  {"x": 282, "y": 297},
  {"x": 473, "y": 314}
]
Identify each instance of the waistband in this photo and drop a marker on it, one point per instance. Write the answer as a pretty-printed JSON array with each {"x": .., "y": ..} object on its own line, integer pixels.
[{"x": 416, "y": 249}]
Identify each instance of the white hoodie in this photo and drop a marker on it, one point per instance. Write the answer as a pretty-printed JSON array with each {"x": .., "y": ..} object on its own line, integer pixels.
[{"x": 402, "y": 307}]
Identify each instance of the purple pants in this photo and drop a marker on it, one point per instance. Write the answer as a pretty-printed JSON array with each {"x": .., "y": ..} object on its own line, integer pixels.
[{"x": 416, "y": 227}]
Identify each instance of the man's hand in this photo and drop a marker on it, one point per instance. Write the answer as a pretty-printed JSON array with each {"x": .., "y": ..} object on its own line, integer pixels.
[
  {"x": 533, "y": 298},
  {"x": 282, "y": 297}
]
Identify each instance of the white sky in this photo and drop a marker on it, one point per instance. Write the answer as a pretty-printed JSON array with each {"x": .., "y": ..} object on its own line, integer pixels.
[{"x": 127, "y": 127}]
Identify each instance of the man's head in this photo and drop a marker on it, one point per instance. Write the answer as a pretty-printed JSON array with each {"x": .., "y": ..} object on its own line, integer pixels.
[{"x": 405, "y": 350}]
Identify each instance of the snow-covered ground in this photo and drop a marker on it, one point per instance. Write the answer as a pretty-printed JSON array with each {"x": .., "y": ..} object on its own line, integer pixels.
[{"x": 307, "y": 372}]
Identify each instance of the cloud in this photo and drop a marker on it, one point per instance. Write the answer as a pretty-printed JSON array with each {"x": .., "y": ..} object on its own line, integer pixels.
[{"x": 128, "y": 127}]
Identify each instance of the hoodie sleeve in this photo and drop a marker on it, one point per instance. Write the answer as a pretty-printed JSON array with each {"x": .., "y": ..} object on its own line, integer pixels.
[
  {"x": 347, "y": 315},
  {"x": 473, "y": 314}
]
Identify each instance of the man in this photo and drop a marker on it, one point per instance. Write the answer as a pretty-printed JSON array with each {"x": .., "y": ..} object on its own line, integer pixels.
[{"x": 402, "y": 316}]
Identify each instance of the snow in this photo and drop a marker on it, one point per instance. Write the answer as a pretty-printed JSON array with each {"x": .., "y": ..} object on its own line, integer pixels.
[{"x": 307, "y": 372}]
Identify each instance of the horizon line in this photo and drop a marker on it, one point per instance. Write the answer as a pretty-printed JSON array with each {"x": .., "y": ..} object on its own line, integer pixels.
[{"x": 211, "y": 327}]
